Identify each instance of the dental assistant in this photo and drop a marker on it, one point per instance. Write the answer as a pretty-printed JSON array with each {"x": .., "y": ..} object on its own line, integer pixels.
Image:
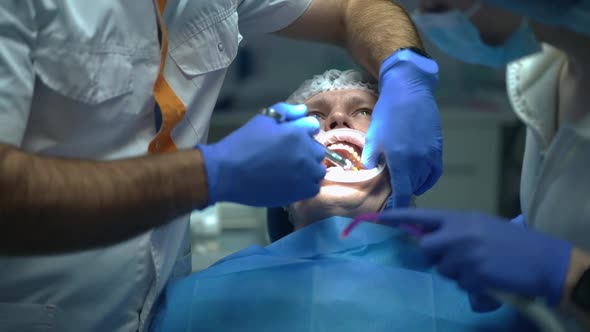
[
  {"x": 544, "y": 252},
  {"x": 82, "y": 164}
]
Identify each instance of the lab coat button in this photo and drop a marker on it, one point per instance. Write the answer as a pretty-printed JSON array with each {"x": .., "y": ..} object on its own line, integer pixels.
[{"x": 220, "y": 47}]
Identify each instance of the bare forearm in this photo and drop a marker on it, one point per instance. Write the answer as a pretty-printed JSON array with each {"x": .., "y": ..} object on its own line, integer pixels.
[
  {"x": 51, "y": 205},
  {"x": 370, "y": 29},
  {"x": 579, "y": 262},
  {"x": 375, "y": 29}
]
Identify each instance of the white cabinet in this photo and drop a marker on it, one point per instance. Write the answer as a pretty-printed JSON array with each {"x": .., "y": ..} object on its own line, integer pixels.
[
  {"x": 223, "y": 229},
  {"x": 472, "y": 159}
]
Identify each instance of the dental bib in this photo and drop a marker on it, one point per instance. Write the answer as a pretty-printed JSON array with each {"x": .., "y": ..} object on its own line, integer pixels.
[{"x": 311, "y": 280}]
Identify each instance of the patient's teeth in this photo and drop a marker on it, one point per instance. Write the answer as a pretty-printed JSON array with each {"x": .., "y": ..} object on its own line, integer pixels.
[{"x": 351, "y": 151}]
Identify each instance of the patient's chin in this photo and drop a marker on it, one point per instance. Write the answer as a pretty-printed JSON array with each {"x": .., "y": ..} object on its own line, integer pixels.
[
  {"x": 335, "y": 200},
  {"x": 343, "y": 200},
  {"x": 307, "y": 215}
]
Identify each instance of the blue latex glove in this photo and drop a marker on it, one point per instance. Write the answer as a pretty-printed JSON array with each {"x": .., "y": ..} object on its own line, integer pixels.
[
  {"x": 483, "y": 252},
  {"x": 265, "y": 163},
  {"x": 519, "y": 220},
  {"x": 481, "y": 302},
  {"x": 405, "y": 126}
]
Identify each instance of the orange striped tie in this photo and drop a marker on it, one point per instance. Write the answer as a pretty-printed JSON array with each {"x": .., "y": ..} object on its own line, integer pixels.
[{"x": 171, "y": 106}]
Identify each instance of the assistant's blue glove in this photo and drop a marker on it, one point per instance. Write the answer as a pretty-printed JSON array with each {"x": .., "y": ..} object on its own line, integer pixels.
[
  {"x": 405, "y": 126},
  {"x": 484, "y": 253},
  {"x": 265, "y": 163},
  {"x": 481, "y": 302},
  {"x": 519, "y": 221}
]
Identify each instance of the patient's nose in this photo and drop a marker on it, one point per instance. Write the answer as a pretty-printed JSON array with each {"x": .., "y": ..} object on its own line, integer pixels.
[{"x": 338, "y": 120}]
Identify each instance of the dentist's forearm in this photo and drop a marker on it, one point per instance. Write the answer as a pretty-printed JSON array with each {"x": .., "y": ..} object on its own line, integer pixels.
[
  {"x": 375, "y": 29},
  {"x": 579, "y": 262},
  {"x": 370, "y": 29},
  {"x": 50, "y": 205}
]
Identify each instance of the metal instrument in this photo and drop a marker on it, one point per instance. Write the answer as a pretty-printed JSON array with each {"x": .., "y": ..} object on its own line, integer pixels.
[{"x": 332, "y": 156}]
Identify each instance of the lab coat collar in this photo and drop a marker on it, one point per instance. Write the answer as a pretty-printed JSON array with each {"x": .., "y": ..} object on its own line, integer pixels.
[{"x": 532, "y": 88}]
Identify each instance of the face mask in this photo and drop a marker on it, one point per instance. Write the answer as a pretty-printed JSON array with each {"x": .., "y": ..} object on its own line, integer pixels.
[
  {"x": 570, "y": 14},
  {"x": 454, "y": 34},
  {"x": 578, "y": 18}
]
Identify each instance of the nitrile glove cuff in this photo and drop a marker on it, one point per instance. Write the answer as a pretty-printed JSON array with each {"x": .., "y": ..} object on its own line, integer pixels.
[
  {"x": 211, "y": 171},
  {"x": 519, "y": 221},
  {"x": 557, "y": 272},
  {"x": 423, "y": 66}
]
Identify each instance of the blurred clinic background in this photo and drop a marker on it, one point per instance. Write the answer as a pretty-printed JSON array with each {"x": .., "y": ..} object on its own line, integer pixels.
[{"x": 483, "y": 139}]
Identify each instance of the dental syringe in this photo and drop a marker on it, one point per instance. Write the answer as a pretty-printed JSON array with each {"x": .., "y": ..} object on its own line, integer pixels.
[
  {"x": 332, "y": 156},
  {"x": 337, "y": 159}
]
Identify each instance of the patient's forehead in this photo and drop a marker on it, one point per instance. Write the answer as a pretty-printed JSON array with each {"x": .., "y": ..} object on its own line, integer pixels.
[{"x": 349, "y": 98}]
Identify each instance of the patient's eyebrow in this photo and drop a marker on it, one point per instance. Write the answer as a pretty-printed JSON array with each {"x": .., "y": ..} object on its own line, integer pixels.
[
  {"x": 320, "y": 103},
  {"x": 356, "y": 101}
]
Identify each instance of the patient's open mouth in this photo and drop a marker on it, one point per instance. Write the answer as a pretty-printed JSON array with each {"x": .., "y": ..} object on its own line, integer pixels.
[
  {"x": 347, "y": 150},
  {"x": 346, "y": 142},
  {"x": 349, "y": 143}
]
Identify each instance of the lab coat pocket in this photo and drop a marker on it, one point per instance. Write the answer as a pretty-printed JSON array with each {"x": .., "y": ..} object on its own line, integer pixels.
[
  {"x": 207, "y": 48},
  {"x": 30, "y": 317},
  {"x": 90, "y": 76}
]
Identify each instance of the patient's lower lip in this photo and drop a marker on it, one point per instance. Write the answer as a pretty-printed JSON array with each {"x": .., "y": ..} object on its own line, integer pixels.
[
  {"x": 331, "y": 167},
  {"x": 339, "y": 175}
]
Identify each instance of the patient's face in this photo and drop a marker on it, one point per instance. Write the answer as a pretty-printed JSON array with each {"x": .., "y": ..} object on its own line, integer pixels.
[{"x": 335, "y": 110}]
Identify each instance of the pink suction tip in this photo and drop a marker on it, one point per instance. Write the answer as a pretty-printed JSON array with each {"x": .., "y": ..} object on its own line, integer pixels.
[
  {"x": 370, "y": 217},
  {"x": 374, "y": 217}
]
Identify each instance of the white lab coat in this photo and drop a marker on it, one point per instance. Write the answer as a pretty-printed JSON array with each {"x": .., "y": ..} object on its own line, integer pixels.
[
  {"x": 555, "y": 182},
  {"x": 76, "y": 81}
]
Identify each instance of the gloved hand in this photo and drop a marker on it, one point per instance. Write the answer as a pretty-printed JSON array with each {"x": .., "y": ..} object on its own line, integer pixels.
[
  {"x": 405, "y": 126},
  {"x": 519, "y": 220},
  {"x": 265, "y": 163},
  {"x": 481, "y": 302},
  {"x": 484, "y": 253}
]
